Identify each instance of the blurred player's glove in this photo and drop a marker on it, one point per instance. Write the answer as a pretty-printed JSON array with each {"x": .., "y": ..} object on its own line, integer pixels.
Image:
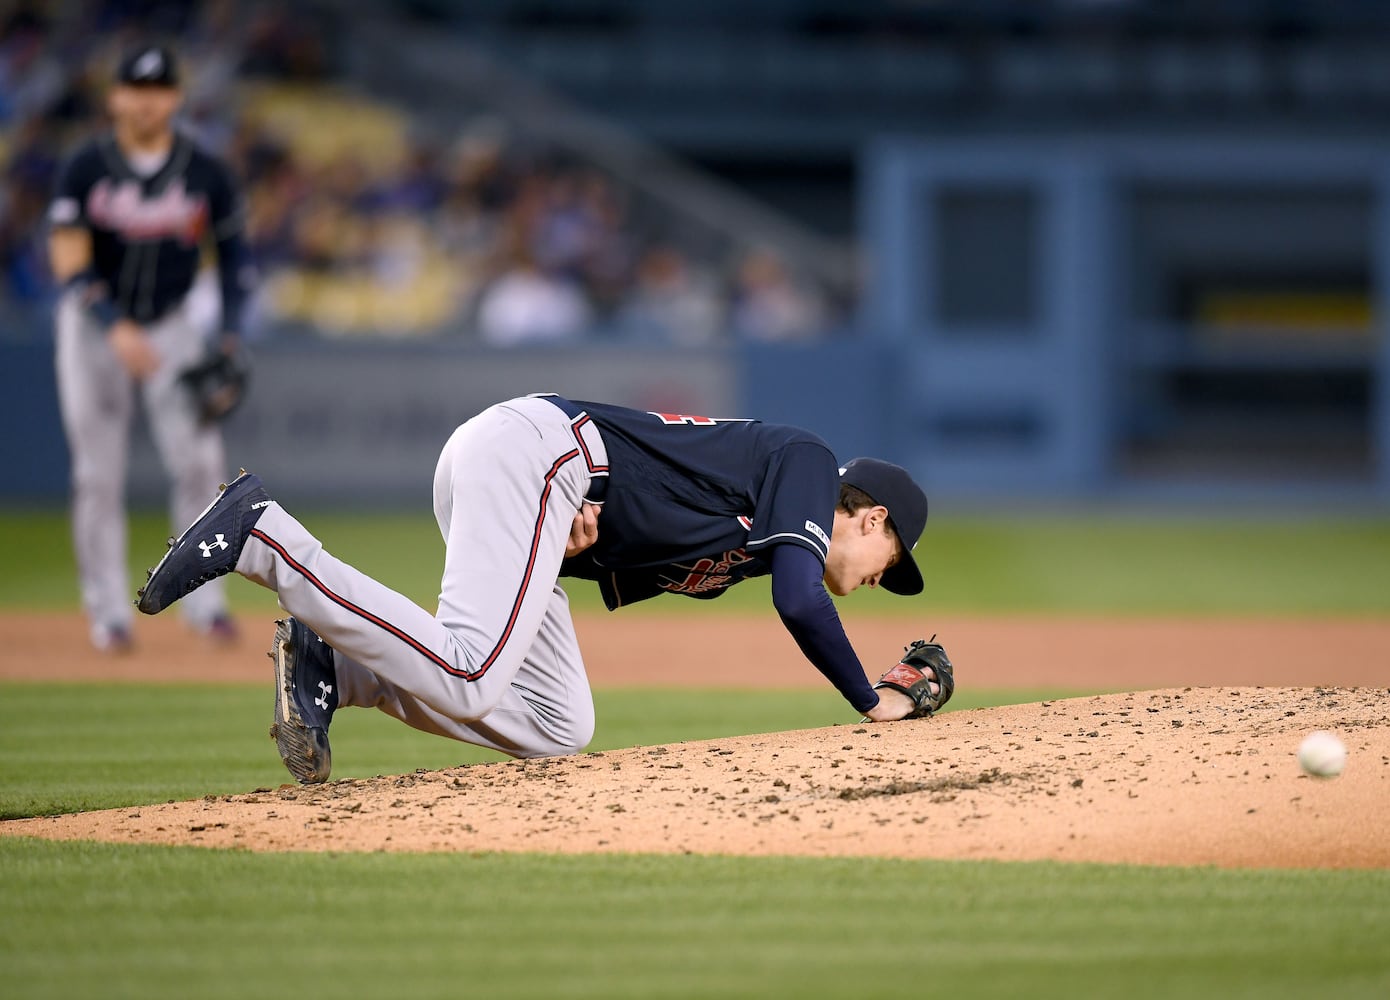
[
  {"x": 217, "y": 383},
  {"x": 910, "y": 676}
]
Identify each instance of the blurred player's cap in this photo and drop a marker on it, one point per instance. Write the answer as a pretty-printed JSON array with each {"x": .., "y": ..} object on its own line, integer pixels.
[
  {"x": 148, "y": 66},
  {"x": 891, "y": 486}
]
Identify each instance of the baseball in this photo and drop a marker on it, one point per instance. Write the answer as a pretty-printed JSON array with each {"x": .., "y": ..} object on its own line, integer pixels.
[{"x": 1322, "y": 755}]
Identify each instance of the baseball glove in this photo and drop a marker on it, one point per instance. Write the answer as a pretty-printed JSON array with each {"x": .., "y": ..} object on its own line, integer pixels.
[
  {"x": 217, "y": 383},
  {"x": 909, "y": 675}
]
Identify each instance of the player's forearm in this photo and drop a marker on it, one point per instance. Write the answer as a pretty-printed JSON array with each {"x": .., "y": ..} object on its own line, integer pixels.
[
  {"x": 70, "y": 260},
  {"x": 69, "y": 252},
  {"x": 809, "y": 615}
]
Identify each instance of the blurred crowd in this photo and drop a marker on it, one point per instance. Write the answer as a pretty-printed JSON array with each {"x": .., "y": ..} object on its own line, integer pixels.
[{"x": 357, "y": 222}]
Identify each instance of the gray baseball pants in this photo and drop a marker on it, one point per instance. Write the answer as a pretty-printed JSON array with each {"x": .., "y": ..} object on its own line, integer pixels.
[
  {"x": 97, "y": 399},
  {"x": 498, "y": 665}
]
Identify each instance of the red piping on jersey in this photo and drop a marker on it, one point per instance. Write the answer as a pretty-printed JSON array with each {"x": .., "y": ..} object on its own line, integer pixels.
[
  {"x": 588, "y": 459},
  {"x": 416, "y": 644}
]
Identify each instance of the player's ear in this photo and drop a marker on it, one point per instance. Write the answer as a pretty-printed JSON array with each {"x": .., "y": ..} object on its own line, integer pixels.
[{"x": 875, "y": 518}]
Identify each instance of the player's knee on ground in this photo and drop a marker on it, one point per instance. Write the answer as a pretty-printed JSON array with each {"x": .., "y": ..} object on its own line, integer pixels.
[{"x": 561, "y": 738}]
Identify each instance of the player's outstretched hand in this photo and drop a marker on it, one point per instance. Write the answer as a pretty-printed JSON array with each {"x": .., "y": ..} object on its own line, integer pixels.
[
  {"x": 584, "y": 530},
  {"x": 892, "y": 706},
  {"x": 133, "y": 349}
]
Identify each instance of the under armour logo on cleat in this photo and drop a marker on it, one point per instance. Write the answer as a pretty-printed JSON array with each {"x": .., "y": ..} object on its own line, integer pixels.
[
  {"x": 207, "y": 547},
  {"x": 327, "y": 689}
]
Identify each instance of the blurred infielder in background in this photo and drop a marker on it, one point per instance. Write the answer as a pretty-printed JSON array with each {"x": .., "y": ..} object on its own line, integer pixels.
[
  {"x": 690, "y": 505},
  {"x": 130, "y": 212}
]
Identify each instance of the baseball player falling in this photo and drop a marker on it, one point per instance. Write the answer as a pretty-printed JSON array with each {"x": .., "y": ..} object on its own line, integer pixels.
[
  {"x": 128, "y": 216},
  {"x": 538, "y": 488}
]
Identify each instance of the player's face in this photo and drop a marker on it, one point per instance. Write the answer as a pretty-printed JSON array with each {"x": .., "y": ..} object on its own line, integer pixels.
[
  {"x": 144, "y": 111},
  {"x": 862, "y": 546}
]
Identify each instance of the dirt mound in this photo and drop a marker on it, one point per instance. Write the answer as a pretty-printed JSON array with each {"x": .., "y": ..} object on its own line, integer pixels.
[{"x": 1178, "y": 776}]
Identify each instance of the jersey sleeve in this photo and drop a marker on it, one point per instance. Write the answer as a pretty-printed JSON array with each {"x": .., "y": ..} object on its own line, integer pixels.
[
  {"x": 810, "y": 616},
  {"x": 69, "y": 204},
  {"x": 796, "y": 503},
  {"x": 227, "y": 215},
  {"x": 226, "y": 207}
]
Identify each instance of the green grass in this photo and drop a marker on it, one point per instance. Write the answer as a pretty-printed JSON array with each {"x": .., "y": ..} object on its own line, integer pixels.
[
  {"x": 1076, "y": 564},
  {"x": 98, "y": 920},
  {"x": 69, "y": 747},
  {"x": 80, "y": 920}
]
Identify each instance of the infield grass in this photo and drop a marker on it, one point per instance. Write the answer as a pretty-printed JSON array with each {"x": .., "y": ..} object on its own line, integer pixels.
[
  {"x": 1074, "y": 564},
  {"x": 74, "y": 747},
  {"x": 95, "y": 920},
  {"x": 86, "y": 920}
]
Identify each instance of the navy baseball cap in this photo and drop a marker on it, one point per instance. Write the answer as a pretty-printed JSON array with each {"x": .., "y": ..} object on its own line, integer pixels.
[
  {"x": 148, "y": 66},
  {"x": 892, "y": 487}
]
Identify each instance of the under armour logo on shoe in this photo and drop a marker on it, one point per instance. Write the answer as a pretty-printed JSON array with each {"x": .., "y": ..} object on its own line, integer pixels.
[
  {"x": 327, "y": 689},
  {"x": 207, "y": 547}
]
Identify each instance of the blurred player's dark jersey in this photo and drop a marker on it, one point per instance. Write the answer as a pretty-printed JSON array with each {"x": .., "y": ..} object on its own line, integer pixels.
[
  {"x": 146, "y": 231},
  {"x": 694, "y": 503}
]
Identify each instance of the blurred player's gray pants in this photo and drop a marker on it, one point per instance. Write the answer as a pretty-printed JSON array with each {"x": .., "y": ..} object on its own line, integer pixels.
[
  {"x": 498, "y": 665},
  {"x": 97, "y": 399}
]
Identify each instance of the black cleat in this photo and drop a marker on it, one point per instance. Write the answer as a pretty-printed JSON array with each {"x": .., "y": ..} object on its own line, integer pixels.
[
  {"x": 209, "y": 547},
  {"x": 305, "y": 700}
]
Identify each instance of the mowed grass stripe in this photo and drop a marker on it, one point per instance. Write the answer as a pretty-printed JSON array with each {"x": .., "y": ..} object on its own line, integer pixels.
[
  {"x": 1074, "y": 564},
  {"x": 75, "y": 747},
  {"x": 130, "y": 921}
]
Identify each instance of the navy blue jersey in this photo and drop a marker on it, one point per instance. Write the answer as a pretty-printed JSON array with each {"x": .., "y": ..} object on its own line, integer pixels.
[
  {"x": 694, "y": 504},
  {"x": 146, "y": 231}
]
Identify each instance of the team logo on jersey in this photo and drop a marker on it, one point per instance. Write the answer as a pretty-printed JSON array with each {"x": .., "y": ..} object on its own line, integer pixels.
[
  {"x": 691, "y": 420},
  {"x": 706, "y": 575},
  {"x": 172, "y": 214}
]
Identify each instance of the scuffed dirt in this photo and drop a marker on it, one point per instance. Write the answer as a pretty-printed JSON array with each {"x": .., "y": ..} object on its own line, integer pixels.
[{"x": 1172, "y": 776}]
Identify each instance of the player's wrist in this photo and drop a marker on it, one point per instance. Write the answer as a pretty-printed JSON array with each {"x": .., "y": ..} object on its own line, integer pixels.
[{"x": 93, "y": 297}]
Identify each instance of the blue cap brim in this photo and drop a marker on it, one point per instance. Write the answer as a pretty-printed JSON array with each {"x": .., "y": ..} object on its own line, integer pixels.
[{"x": 903, "y": 578}]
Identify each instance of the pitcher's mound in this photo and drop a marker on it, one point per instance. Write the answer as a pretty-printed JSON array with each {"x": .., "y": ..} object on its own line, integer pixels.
[{"x": 1180, "y": 776}]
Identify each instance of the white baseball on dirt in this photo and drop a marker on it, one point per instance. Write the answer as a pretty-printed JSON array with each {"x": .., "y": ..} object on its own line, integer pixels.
[{"x": 1322, "y": 754}]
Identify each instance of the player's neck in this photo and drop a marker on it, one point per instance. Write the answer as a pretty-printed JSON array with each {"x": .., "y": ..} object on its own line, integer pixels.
[{"x": 149, "y": 144}]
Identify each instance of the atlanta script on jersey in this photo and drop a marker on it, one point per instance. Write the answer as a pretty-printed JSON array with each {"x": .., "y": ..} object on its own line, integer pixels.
[
  {"x": 694, "y": 503},
  {"x": 146, "y": 231}
]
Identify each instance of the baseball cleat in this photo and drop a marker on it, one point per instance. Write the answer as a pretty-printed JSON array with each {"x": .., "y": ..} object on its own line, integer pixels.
[
  {"x": 305, "y": 699},
  {"x": 209, "y": 547}
]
